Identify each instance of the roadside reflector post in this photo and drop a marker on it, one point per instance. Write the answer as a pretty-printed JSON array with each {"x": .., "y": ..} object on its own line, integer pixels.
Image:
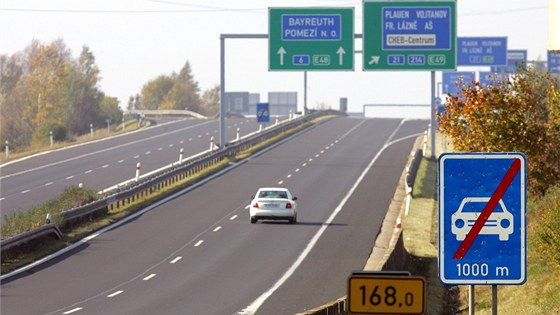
[
  {"x": 237, "y": 137},
  {"x": 181, "y": 156},
  {"x": 91, "y": 130},
  {"x": 137, "y": 171},
  {"x": 212, "y": 143},
  {"x": 7, "y": 150},
  {"x": 51, "y": 137}
]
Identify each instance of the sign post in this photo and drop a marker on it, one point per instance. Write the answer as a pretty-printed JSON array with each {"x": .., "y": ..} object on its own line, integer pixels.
[
  {"x": 482, "y": 218},
  {"x": 302, "y": 39}
]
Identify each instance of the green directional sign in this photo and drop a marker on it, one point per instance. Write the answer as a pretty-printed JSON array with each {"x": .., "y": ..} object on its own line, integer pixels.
[
  {"x": 310, "y": 39},
  {"x": 410, "y": 35}
]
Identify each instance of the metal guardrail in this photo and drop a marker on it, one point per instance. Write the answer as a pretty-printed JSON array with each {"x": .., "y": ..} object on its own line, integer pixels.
[
  {"x": 31, "y": 235},
  {"x": 150, "y": 184}
]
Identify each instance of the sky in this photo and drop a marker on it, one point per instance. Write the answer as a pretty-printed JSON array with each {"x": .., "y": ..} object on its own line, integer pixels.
[{"x": 134, "y": 41}]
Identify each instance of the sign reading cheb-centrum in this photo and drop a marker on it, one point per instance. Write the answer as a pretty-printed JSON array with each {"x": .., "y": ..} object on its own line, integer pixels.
[
  {"x": 311, "y": 39},
  {"x": 413, "y": 35}
]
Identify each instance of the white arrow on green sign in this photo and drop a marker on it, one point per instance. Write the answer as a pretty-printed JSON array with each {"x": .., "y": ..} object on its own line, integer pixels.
[
  {"x": 409, "y": 35},
  {"x": 311, "y": 39}
]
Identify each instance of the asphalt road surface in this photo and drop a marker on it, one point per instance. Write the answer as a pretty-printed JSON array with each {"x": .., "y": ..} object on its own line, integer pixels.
[
  {"x": 104, "y": 163},
  {"x": 197, "y": 253}
]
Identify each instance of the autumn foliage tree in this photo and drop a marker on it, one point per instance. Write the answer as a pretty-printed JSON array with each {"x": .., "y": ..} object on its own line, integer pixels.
[
  {"x": 518, "y": 114},
  {"x": 43, "y": 88}
]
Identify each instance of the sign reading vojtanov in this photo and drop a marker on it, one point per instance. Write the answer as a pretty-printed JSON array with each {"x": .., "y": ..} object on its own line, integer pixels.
[{"x": 417, "y": 35}]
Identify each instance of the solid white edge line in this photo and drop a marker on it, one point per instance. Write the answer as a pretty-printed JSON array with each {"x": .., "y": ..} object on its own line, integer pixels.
[
  {"x": 255, "y": 305},
  {"x": 127, "y": 219}
]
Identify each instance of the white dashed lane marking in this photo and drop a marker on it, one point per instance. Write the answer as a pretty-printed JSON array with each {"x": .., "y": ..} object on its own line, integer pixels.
[
  {"x": 198, "y": 243},
  {"x": 216, "y": 229},
  {"x": 115, "y": 294},
  {"x": 73, "y": 310},
  {"x": 149, "y": 277},
  {"x": 233, "y": 217},
  {"x": 175, "y": 260}
]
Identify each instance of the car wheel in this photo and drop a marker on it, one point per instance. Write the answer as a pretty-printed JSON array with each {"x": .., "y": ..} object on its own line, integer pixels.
[
  {"x": 253, "y": 220},
  {"x": 293, "y": 220}
]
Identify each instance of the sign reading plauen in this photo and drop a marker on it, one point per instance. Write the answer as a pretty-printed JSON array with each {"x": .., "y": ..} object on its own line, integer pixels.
[
  {"x": 482, "y": 51},
  {"x": 311, "y": 39},
  {"x": 409, "y": 35},
  {"x": 482, "y": 218}
]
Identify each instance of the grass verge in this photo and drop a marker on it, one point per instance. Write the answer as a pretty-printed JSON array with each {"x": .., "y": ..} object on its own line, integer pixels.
[
  {"x": 75, "y": 196},
  {"x": 539, "y": 295}
]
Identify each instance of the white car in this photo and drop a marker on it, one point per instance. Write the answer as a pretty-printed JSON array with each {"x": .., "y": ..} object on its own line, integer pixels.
[
  {"x": 273, "y": 203},
  {"x": 500, "y": 221}
]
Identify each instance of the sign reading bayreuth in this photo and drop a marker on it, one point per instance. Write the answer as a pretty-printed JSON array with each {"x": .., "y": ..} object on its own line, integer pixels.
[
  {"x": 419, "y": 35},
  {"x": 311, "y": 39}
]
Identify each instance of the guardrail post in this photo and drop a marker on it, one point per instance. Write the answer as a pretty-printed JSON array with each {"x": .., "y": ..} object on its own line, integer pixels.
[
  {"x": 137, "y": 171},
  {"x": 425, "y": 142}
]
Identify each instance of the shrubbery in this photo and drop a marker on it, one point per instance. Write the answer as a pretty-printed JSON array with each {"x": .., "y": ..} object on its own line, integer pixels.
[
  {"x": 545, "y": 224},
  {"x": 19, "y": 222},
  {"x": 520, "y": 114}
]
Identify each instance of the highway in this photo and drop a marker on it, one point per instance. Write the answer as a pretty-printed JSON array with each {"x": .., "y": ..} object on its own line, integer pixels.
[
  {"x": 197, "y": 253},
  {"x": 106, "y": 162}
]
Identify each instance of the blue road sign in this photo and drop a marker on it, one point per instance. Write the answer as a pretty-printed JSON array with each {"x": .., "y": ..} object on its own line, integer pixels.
[
  {"x": 553, "y": 58},
  {"x": 515, "y": 58},
  {"x": 450, "y": 78},
  {"x": 487, "y": 78},
  {"x": 263, "y": 113},
  {"x": 481, "y": 51},
  {"x": 482, "y": 218}
]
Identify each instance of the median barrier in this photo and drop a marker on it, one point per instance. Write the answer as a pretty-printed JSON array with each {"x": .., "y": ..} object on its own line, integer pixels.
[{"x": 131, "y": 190}]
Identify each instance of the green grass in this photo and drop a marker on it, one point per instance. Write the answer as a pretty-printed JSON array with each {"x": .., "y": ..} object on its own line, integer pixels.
[
  {"x": 74, "y": 196},
  {"x": 539, "y": 295}
]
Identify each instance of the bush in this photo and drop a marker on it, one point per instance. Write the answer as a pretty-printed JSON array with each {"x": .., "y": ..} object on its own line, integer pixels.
[
  {"x": 19, "y": 222},
  {"x": 546, "y": 225},
  {"x": 41, "y": 136},
  {"x": 521, "y": 114}
]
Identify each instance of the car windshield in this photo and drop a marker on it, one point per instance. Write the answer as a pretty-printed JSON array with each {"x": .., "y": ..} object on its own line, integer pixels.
[
  {"x": 477, "y": 207},
  {"x": 273, "y": 194}
]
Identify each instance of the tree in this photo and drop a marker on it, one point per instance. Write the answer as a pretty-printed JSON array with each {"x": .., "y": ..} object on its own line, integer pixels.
[
  {"x": 154, "y": 92},
  {"x": 521, "y": 114},
  {"x": 177, "y": 91},
  {"x": 110, "y": 109},
  {"x": 210, "y": 101}
]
